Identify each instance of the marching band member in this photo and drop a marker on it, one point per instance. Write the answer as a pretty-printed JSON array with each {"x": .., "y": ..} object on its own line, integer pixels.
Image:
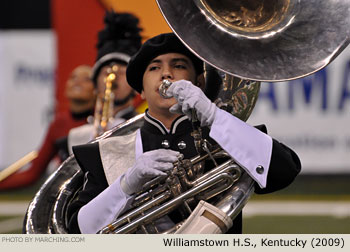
[
  {"x": 117, "y": 167},
  {"x": 81, "y": 97},
  {"x": 118, "y": 41}
]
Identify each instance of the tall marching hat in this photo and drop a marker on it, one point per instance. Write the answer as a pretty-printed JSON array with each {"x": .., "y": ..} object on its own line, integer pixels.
[
  {"x": 118, "y": 41},
  {"x": 161, "y": 44}
]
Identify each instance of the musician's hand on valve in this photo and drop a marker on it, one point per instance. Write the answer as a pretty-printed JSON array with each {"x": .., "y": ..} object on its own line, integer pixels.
[
  {"x": 149, "y": 165},
  {"x": 191, "y": 97}
]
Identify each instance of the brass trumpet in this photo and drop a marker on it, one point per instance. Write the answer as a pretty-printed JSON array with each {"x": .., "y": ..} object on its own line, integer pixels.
[{"x": 104, "y": 104}]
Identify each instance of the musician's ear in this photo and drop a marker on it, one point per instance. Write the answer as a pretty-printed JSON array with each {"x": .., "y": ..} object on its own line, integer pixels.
[{"x": 143, "y": 95}]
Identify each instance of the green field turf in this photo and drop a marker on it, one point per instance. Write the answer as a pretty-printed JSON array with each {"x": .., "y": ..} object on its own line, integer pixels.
[{"x": 296, "y": 225}]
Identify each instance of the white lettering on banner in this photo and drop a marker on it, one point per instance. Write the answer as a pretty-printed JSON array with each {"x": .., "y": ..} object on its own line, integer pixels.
[{"x": 311, "y": 115}]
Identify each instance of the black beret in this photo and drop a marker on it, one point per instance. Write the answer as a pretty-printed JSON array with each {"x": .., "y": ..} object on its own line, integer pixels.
[{"x": 161, "y": 44}]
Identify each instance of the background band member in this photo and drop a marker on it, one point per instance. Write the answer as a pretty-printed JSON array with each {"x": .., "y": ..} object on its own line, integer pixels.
[
  {"x": 117, "y": 167},
  {"x": 81, "y": 97},
  {"x": 118, "y": 41}
]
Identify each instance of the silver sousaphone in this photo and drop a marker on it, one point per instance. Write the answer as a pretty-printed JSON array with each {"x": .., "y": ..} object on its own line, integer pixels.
[
  {"x": 263, "y": 40},
  {"x": 243, "y": 43}
]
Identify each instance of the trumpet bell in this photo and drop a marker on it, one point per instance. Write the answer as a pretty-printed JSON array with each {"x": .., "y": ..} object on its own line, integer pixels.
[{"x": 267, "y": 40}]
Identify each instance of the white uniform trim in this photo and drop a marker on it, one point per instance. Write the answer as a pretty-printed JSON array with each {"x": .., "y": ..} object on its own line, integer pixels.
[
  {"x": 85, "y": 133},
  {"x": 248, "y": 146},
  {"x": 80, "y": 135},
  {"x": 122, "y": 147},
  {"x": 177, "y": 123},
  {"x": 109, "y": 204},
  {"x": 103, "y": 209},
  {"x": 110, "y": 56},
  {"x": 138, "y": 145},
  {"x": 157, "y": 124}
]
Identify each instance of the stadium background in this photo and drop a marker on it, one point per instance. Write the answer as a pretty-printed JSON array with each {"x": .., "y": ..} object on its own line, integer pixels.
[{"x": 42, "y": 40}]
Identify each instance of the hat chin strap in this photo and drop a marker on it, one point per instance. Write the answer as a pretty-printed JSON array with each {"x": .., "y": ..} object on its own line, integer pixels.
[{"x": 120, "y": 102}]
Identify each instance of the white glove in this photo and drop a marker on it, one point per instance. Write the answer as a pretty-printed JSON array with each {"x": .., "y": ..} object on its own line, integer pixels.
[
  {"x": 149, "y": 165},
  {"x": 191, "y": 97}
]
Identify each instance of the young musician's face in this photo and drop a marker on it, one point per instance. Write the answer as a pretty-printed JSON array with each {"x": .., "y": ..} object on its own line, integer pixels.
[
  {"x": 79, "y": 84},
  {"x": 120, "y": 86},
  {"x": 171, "y": 66}
]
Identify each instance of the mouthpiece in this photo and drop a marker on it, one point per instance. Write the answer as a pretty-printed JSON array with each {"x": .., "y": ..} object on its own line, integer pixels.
[{"x": 163, "y": 88}]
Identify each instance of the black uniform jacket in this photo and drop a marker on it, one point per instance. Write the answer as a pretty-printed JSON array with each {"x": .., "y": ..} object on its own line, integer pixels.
[{"x": 284, "y": 165}]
